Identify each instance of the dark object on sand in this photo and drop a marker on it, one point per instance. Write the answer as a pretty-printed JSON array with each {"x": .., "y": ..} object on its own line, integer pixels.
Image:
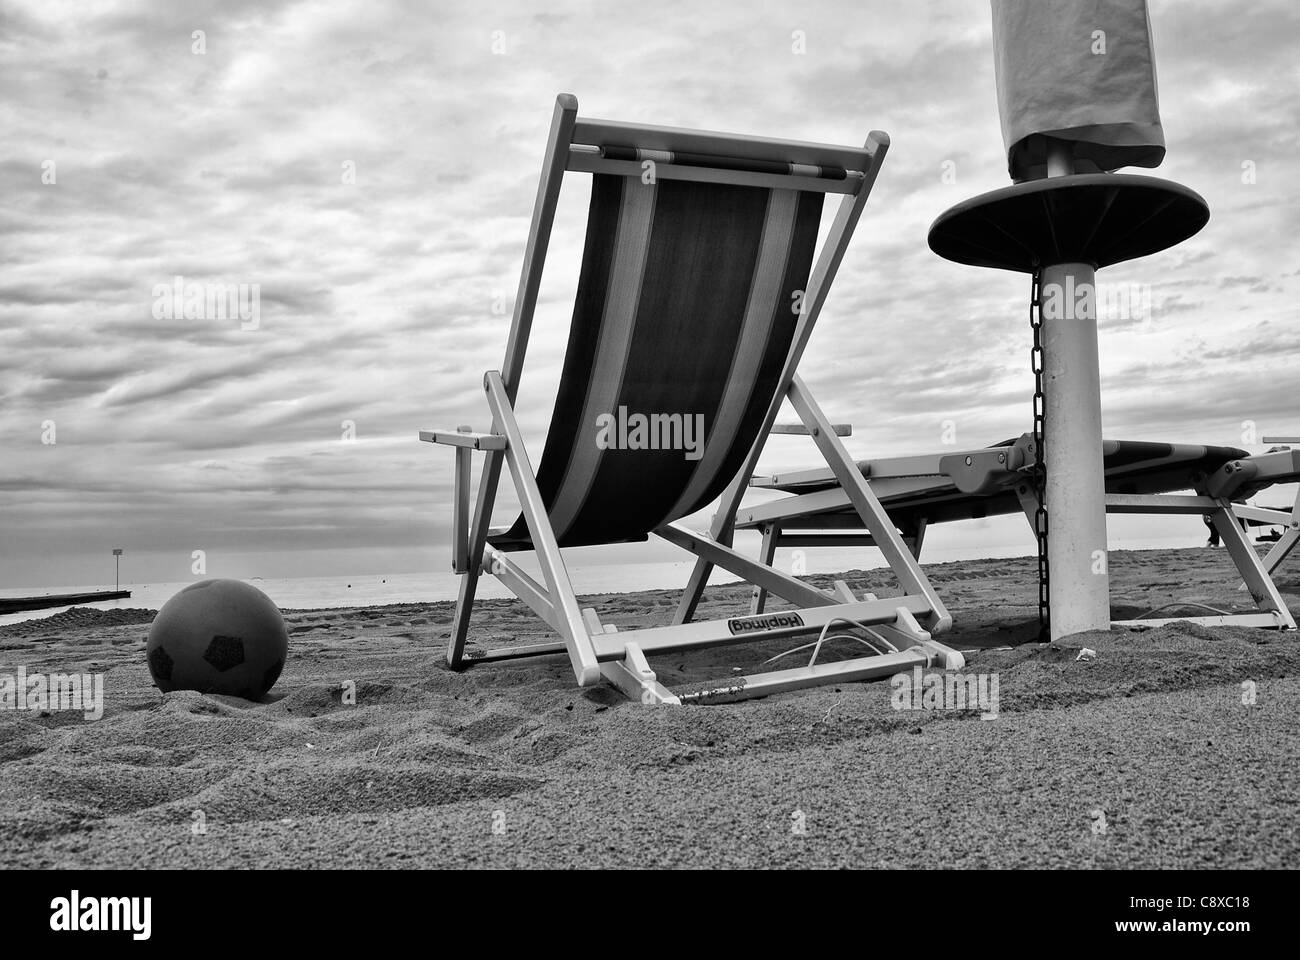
[{"x": 18, "y": 604}]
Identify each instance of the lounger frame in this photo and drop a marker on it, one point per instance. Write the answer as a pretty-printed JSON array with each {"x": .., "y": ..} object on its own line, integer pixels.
[
  {"x": 1247, "y": 477},
  {"x": 817, "y": 518}
]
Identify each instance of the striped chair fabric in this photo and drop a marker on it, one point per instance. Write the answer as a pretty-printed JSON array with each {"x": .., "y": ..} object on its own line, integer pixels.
[{"x": 687, "y": 304}]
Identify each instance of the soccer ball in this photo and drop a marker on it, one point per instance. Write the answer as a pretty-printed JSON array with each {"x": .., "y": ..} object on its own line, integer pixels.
[{"x": 218, "y": 636}]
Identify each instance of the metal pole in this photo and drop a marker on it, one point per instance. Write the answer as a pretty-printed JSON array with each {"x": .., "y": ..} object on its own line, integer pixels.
[
  {"x": 1076, "y": 489},
  {"x": 1060, "y": 157}
]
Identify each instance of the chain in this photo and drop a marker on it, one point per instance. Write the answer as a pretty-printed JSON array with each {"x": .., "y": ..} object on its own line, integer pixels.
[{"x": 1040, "y": 470}]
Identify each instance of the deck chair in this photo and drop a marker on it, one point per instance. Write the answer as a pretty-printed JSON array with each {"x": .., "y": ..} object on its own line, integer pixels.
[
  {"x": 697, "y": 294},
  {"x": 921, "y": 491}
]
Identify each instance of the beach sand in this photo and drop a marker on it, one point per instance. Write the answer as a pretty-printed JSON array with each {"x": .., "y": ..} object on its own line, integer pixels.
[{"x": 1145, "y": 756}]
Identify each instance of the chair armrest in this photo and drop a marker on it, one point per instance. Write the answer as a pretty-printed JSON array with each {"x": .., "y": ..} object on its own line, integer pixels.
[
  {"x": 463, "y": 438},
  {"x": 464, "y": 442}
]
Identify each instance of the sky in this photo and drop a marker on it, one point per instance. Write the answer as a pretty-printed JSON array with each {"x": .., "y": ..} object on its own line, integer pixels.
[{"x": 371, "y": 167}]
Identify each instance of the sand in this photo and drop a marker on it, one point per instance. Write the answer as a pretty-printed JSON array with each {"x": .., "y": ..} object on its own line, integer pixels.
[{"x": 1145, "y": 756}]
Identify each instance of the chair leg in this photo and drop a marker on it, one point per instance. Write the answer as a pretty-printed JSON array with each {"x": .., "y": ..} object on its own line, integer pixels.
[
  {"x": 699, "y": 579},
  {"x": 460, "y": 623},
  {"x": 721, "y": 530},
  {"x": 487, "y": 489}
]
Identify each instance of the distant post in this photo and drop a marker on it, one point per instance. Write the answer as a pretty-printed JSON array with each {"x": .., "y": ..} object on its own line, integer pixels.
[{"x": 117, "y": 568}]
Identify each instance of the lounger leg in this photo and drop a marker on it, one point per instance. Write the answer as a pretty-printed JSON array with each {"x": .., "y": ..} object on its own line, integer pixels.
[
  {"x": 1252, "y": 571},
  {"x": 766, "y": 554},
  {"x": 1282, "y": 549},
  {"x": 1029, "y": 504},
  {"x": 919, "y": 537}
]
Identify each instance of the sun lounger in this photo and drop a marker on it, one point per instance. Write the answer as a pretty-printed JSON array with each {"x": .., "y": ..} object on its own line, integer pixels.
[
  {"x": 1254, "y": 475},
  {"x": 918, "y": 492}
]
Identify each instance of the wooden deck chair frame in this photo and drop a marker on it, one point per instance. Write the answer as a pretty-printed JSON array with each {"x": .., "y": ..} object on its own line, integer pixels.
[
  {"x": 597, "y": 650},
  {"x": 793, "y": 521}
]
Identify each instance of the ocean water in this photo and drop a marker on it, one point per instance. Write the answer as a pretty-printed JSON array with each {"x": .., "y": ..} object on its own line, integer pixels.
[
  {"x": 373, "y": 590},
  {"x": 588, "y": 577}
]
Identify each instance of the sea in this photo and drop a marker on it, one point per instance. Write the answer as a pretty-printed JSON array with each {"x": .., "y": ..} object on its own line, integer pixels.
[{"x": 378, "y": 589}]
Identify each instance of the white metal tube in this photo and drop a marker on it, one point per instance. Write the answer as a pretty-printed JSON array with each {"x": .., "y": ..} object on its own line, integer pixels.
[
  {"x": 1060, "y": 157},
  {"x": 1076, "y": 489}
]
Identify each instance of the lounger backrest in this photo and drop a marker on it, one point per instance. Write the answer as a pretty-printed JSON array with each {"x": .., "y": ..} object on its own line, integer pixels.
[{"x": 691, "y": 285}]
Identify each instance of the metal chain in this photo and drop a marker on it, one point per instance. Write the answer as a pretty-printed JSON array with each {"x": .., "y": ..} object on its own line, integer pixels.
[{"x": 1040, "y": 469}]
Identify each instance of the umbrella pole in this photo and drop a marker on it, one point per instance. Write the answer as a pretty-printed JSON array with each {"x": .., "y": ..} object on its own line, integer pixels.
[{"x": 1079, "y": 587}]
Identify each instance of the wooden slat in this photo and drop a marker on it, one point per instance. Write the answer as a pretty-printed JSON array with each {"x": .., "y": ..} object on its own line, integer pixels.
[
  {"x": 476, "y": 441},
  {"x": 602, "y": 133},
  {"x": 1267, "y": 620},
  {"x": 796, "y": 678},
  {"x": 522, "y": 586},
  {"x": 723, "y": 555},
  {"x": 590, "y": 163},
  {"x": 499, "y": 654},
  {"x": 710, "y": 633}
]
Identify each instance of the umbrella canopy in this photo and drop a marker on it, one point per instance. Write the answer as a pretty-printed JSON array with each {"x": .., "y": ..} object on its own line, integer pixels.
[{"x": 1080, "y": 72}]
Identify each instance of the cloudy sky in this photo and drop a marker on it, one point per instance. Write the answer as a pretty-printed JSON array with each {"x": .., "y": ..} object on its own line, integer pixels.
[{"x": 372, "y": 165}]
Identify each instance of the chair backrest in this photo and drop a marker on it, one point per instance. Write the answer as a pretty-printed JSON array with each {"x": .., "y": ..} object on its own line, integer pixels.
[{"x": 693, "y": 276}]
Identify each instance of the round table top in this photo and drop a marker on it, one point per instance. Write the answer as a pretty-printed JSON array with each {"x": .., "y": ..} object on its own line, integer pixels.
[{"x": 1096, "y": 218}]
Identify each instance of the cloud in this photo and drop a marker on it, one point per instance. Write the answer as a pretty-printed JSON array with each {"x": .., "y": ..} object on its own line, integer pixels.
[{"x": 372, "y": 166}]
